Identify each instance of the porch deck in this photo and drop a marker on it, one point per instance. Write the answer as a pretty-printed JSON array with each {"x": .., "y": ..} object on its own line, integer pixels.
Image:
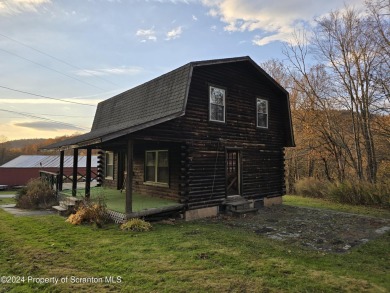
[{"x": 115, "y": 200}]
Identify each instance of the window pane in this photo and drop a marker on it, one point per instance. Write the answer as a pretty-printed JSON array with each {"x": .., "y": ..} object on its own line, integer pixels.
[
  {"x": 262, "y": 120},
  {"x": 217, "y": 96},
  {"x": 150, "y": 159},
  {"x": 110, "y": 171},
  {"x": 150, "y": 162},
  {"x": 150, "y": 174},
  {"x": 109, "y": 165},
  {"x": 163, "y": 159},
  {"x": 163, "y": 174},
  {"x": 163, "y": 170},
  {"x": 217, "y": 112},
  {"x": 261, "y": 106},
  {"x": 110, "y": 158}
]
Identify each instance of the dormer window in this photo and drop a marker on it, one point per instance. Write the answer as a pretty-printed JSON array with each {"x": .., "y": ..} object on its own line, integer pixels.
[
  {"x": 262, "y": 113},
  {"x": 217, "y": 104}
]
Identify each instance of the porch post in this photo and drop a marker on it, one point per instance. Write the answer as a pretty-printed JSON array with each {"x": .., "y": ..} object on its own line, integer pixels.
[
  {"x": 61, "y": 173},
  {"x": 74, "y": 176},
  {"x": 88, "y": 174},
  {"x": 129, "y": 178}
]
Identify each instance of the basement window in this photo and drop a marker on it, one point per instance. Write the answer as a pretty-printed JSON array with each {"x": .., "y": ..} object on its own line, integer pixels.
[
  {"x": 217, "y": 104},
  {"x": 157, "y": 167},
  {"x": 262, "y": 113}
]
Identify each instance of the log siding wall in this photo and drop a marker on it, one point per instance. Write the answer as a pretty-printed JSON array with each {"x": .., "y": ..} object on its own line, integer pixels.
[
  {"x": 139, "y": 185},
  {"x": 202, "y": 180}
]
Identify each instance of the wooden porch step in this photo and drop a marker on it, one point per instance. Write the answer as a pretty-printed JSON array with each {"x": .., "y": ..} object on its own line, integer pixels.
[
  {"x": 73, "y": 200},
  {"x": 59, "y": 208},
  {"x": 66, "y": 204},
  {"x": 238, "y": 205},
  {"x": 233, "y": 197},
  {"x": 62, "y": 211}
]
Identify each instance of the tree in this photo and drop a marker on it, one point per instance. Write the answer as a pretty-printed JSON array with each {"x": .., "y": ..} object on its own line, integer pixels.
[{"x": 351, "y": 76}]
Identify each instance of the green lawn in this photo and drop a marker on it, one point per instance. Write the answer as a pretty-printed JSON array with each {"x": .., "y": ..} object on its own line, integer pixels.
[
  {"x": 7, "y": 192},
  {"x": 296, "y": 200},
  {"x": 115, "y": 200},
  {"x": 197, "y": 256},
  {"x": 7, "y": 201}
]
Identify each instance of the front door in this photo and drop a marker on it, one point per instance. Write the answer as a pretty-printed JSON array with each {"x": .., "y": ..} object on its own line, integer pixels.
[{"x": 233, "y": 172}]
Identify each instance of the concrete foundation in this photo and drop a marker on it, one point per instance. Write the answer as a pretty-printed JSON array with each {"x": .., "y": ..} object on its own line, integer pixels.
[
  {"x": 278, "y": 200},
  {"x": 201, "y": 213}
]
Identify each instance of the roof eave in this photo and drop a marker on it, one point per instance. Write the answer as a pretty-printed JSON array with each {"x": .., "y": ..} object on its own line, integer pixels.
[
  {"x": 107, "y": 137},
  {"x": 127, "y": 131}
]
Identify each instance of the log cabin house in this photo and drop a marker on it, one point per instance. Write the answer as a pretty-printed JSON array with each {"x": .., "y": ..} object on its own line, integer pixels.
[{"x": 200, "y": 134}]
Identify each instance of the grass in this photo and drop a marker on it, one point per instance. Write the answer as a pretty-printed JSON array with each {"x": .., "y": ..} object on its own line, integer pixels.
[
  {"x": 296, "y": 200},
  {"x": 7, "y": 192},
  {"x": 197, "y": 256},
  {"x": 7, "y": 201},
  {"x": 115, "y": 200}
]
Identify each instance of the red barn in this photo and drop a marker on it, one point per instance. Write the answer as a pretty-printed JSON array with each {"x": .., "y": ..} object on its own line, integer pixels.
[{"x": 23, "y": 168}]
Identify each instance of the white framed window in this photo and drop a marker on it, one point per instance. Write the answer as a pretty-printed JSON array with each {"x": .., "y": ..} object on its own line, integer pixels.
[
  {"x": 216, "y": 104},
  {"x": 109, "y": 165},
  {"x": 262, "y": 113},
  {"x": 157, "y": 167}
]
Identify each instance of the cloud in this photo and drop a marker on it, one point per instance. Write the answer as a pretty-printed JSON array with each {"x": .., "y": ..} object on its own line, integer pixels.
[
  {"x": 146, "y": 35},
  {"x": 174, "y": 34},
  {"x": 19, "y": 6},
  {"x": 194, "y": 18},
  {"x": 47, "y": 126},
  {"x": 273, "y": 20},
  {"x": 122, "y": 70}
]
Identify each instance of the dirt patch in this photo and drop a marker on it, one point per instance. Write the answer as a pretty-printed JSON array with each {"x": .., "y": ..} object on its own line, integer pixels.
[{"x": 319, "y": 229}]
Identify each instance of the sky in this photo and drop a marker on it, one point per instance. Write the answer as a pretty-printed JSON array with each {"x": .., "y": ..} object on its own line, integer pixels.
[{"x": 86, "y": 51}]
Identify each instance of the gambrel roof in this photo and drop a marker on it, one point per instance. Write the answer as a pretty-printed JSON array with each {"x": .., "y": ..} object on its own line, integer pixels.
[{"x": 161, "y": 99}]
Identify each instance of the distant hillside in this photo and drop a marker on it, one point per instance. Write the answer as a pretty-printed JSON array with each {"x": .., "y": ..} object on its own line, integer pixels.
[
  {"x": 21, "y": 143},
  {"x": 14, "y": 148}
]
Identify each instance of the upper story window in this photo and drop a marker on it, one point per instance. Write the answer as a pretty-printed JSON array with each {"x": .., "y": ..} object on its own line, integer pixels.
[
  {"x": 109, "y": 165},
  {"x": 262, "y": 113},
  {"x": 217, "y": 104}
]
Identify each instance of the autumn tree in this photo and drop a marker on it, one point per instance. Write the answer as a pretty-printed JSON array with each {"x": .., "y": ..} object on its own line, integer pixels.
[{"x": 348, "y": 74}]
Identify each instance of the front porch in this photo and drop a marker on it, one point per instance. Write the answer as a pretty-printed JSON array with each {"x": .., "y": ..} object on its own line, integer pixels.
[{"x": 115, "y": 199}]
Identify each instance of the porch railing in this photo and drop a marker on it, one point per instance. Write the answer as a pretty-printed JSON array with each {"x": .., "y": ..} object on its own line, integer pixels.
[{"x": 51, "y": 177}]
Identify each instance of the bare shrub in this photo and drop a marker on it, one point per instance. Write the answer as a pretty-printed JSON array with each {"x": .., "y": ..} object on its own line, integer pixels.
[
  {"x": 347, "y": 191},
  {"x": 90, "y": 213},
  {"x": 38, "y": 194},
  {"x": 311, "y": 187},
  {"x": 360, "y": 193}
]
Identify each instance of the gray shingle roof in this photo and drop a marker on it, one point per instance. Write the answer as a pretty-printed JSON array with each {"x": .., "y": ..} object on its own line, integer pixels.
[
  {"x": 160, "y": 99},
  {"x": 157, "y": 98},
  {"x": 156, "y": 101}
]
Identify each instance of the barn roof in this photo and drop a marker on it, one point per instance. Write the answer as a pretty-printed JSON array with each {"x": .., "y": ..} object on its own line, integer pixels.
[
  {"x": 161, "y": 99},
  {"x": 27, "y": 161}
]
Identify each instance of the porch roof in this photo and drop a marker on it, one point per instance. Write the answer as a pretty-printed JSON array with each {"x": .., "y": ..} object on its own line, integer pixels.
[{"x": 159, "y": 100}]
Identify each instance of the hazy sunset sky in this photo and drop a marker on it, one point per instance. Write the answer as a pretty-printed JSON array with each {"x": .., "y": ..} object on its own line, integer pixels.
[{"x": 87, "y": 51}]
